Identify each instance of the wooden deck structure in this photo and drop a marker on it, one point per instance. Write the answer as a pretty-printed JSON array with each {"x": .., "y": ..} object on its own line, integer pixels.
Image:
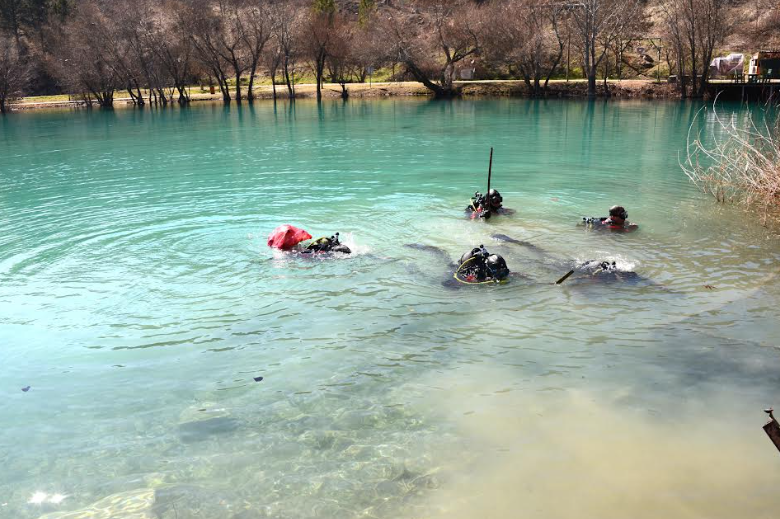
[{"x": 751, "y": 90}]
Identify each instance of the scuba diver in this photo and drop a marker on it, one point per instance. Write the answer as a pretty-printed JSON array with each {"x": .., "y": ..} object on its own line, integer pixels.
[
  {"x": 479, "y": 266},
  {"x": 325, "y": 244},
  {"x": 593, "y": 271},
  {"x": 616, "y": 221},
  {"x": 290, "y": 238},
  {"x": 476, "y": 267},
  {"x": 483, "y": 206}
]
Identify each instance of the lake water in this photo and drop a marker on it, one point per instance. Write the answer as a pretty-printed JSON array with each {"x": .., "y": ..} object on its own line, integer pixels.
[{"x": 138, "y": 301}]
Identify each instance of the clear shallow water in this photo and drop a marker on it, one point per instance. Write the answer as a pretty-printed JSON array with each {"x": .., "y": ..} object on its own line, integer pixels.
[{"x": 138, "y": 300}]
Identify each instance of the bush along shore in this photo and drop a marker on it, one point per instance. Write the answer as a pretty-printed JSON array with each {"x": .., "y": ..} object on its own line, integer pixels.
[{"x": 578, "y": 88}]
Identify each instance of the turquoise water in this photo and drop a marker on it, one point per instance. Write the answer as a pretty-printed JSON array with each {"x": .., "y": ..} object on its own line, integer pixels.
[{"x": 138, "y": 300}]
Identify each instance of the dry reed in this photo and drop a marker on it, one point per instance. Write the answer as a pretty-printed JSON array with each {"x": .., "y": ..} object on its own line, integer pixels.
[{"x": 742, "y": 165}]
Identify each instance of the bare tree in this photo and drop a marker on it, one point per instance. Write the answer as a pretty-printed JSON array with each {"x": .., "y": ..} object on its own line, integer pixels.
[
  {"x": 320, "y": 32},
  {"x": 344, "y": 63},
  {"x": 287, "y": 21},
  {"x": 432, "y": 43},
  {"x": 526, "y": 36},
  {"x": 598, "y": 23},
  {"x": 172, "y": 47},
  {"x": 674, "y": 33},
  {"x": 14, "y": 72},
  {"x": 83, "y": 63},
  {"x": 695, "y": 28},
  {"x": 256, "y": 30},
  {"x": 119, "y": 31},
  {"x": 272, "y": 59},
  {"x": 231, "y": 41},
  {"x": 217, "y": 40},
  {"x": 714, "y": 26}
]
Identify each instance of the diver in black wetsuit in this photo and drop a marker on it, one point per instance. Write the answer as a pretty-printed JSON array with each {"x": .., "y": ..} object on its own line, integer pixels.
[
  {"x": 479, "y": 266},
  {"x": 616, "y": 221},
  {"x": 483, "y": 206},
  {"x": 325, "y": 244}
]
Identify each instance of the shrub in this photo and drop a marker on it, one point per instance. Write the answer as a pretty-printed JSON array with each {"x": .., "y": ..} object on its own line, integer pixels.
[{"x": 741, "y": 166}]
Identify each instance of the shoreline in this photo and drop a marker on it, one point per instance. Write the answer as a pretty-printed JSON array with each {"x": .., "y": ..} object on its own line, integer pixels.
[{"x": 575, "y": 89}]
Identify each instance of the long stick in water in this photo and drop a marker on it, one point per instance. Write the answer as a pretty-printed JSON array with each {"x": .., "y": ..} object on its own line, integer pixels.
[
  {"x": 565, "y": 277},
  {"x": 569, "y": 273},
  {"x": 490, "y": 172}
]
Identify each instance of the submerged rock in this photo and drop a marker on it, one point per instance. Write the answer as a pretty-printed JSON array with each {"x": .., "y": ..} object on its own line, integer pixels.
[
  {"x": 191, "y": 502},
  {"x": 135, "y": 504},
  {"x": 170, "y": 502},
  {"x": 200, "y": 430},
  {"x": 203, "y": 420}
]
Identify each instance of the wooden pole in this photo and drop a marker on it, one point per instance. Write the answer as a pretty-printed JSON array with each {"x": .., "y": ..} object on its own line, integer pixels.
[
  {"x": 490, "y": 172},
  {"x": 565, "y": 277}
]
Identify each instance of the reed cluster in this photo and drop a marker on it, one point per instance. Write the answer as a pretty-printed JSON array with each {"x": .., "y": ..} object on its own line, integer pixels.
[{"x": 741, "y": 165}]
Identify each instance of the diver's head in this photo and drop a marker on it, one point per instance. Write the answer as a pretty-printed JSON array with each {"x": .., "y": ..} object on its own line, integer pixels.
[
  {"x": 495, "y": 199},
  {"x": 497, "y": 266},
  {"x": 618, "y": 212}
]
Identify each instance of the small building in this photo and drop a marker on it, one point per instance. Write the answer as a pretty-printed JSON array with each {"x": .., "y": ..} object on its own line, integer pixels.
[{"x": 764, "y": 65}]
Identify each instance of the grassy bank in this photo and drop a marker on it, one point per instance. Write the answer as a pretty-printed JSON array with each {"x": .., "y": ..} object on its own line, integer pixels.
[{"x": 557, "y": 88}]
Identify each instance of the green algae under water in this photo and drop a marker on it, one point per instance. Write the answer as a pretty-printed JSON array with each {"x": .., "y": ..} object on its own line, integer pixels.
[{"x": 138, "y": 300}]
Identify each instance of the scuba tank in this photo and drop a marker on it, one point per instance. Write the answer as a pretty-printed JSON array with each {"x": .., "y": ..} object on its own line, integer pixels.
[
  {"x": 482, "y": 205},
  {"x": 326, "y": 244},
  {"x": 479, "y": 206},
  {"x": 479, "y": 266},
  {"x": 594, "y": 220},
  {"x": 594, "y": 267}
]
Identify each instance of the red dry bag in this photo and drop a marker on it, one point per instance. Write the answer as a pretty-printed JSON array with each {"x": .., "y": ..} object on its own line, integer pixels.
[{"x": 286, "y": 237}]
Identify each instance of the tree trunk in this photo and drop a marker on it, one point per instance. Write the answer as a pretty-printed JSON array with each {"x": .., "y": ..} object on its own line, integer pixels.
[
  {"x": 590, "y": 71},
  {"x": 250, "y": 94},
  {"x": 319, "y": 83},
  {"x": 137, "y": 96},
  {"x": 319, "y": 70},
  {"x": 592, "y": 83},
  {"x": 237, "y": 70},
  {"x": 288, "y": 79},
  {"x": 105, "y": 99},
  {"x": 438, "y": 90},
  {"x": 681, "y": 75},
  {"x": 183, "y": 97},
  {"x": 223, "y": 86},
  {"x": 554, "y": 66}
]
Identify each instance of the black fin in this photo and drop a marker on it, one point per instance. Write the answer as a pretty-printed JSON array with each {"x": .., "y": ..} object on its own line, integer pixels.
[{"x": 436, "y": 251}]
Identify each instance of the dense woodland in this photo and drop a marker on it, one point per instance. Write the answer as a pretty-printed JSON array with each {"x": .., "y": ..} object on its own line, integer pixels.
[{"x": 156, "y": 50}]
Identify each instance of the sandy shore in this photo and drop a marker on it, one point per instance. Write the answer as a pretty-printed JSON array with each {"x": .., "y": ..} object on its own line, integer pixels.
[{"x": 632, "y": 88}]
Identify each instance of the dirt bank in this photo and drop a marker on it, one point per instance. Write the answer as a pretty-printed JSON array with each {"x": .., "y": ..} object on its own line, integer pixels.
[{"x": 575, "y": 88}]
